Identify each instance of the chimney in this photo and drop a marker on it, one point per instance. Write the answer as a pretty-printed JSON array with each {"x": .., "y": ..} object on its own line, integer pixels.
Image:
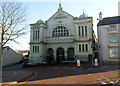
[{"x": 100, "y": 16}]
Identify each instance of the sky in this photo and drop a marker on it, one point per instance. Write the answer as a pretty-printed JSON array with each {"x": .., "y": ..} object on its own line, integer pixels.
[{"x": 44, "y": 9}]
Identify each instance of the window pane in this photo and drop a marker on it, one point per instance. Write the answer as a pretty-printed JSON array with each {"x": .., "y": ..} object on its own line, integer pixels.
[
  {"x": 86, "y": 30},
  {"x": 38, "y": 48},
  {"x": 61, "y": 34},
  {"x": 38, "y": 34},
  {"x": 113, "y": 37},
  {"x": 33, "y": 34},
  {"x": 67, "y": 33},
  {"x": 33, "y": 49},
  {"x": 58, "y": 34},
  {"x": 79, "y": 30},
  {"x": 82, "y": 47},
  {"x": 60, "y": 31},
  {"x": 113, "y": 52},
  {"x": 82, "y": 31},
  {"x": 113, "y": 27},
  {"x": 56, "y": 30},
  {"x": 86, "y": 46},
  {"x": 79, "y": 47}
]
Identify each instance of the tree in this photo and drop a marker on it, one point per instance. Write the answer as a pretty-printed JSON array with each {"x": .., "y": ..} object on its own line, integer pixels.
[{"x": 12, "y": 14}]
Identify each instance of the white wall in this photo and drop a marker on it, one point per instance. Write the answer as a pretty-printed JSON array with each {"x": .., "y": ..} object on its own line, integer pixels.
[
  {"x": 52, "y": 23},
  {"x": 103, "y": 41},
  {"x": 10, "y": 57}
]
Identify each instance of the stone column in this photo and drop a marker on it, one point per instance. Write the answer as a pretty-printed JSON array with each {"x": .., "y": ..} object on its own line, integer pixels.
[{"x": 65, "y": 54}]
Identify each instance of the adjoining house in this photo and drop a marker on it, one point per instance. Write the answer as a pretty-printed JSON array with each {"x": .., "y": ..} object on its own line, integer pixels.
[
  {"x": 108, "y": 38},
  {"x": 10, "y": 56},
  {"x": 62, "y": 38}
]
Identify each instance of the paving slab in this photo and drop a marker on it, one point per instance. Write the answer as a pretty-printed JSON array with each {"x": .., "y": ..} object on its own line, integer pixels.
[{"x": 87, "y": 79}]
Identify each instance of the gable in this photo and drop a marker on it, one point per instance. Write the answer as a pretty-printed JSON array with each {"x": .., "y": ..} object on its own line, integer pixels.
[{"x": 60, "y": 15}]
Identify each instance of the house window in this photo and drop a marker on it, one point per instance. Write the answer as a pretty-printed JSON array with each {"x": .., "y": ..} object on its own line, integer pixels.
[
  {"x": 60, "y": 31},
  {"x": 113, "y": 52},
  {"x": 113, "y": 27},
  {"x": 33, "y": 34},
  {"x": 79, "y": 31},
  {"x": 35, "y": 48},
  {"x": 86, "y": 30},
  {"x": 83, "y": 49},
  {"x": 79, "y": 47},
  {"x": 113, "y": 37},
  {"x": 86, "y": 47},
  {"x": 36, "y": 34},
  {"x": 82, "y": 31}
]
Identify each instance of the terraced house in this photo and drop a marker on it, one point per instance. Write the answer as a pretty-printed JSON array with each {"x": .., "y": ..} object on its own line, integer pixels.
[
  {"x": 62, "y": 38},
  {"x": 108, "y": 38}
]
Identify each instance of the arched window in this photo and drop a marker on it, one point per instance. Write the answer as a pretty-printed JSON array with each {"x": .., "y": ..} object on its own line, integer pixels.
[{"x": 60, "y": 31}]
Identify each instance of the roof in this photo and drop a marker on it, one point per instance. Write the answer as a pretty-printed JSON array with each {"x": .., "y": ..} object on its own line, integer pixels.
[
  {"x": 109, "y": 20},
  {"x": 40, "y": 21},
  {"x": 60, "y": 9},
  {"x": 83, "y": 15},
  {"x": 8, "y": 48}
]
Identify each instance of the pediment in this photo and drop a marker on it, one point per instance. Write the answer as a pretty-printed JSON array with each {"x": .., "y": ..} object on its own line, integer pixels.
[{"x": 60, "y": 15}]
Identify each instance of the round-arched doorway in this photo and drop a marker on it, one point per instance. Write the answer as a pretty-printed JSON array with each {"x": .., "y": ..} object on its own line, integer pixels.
[
  {"x": 70, "y": 54},
  {"x": 50, "y": 52},
  {"x": 60, "y": 55},
  {"x": 50, "y": 56}
]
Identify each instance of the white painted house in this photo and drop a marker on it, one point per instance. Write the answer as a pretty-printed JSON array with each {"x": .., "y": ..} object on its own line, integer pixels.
[
  {"x": 108, "y": 38},
  {"x": 10, "y": 56}
]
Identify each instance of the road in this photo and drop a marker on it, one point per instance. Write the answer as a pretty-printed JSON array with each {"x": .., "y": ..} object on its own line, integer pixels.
[
  {"x": 105, "y": 74},
  {"x": 54, "y": 72}
]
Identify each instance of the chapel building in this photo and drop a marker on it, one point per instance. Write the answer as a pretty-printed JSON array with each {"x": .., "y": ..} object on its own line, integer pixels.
[{"x": 62, "y": 38}]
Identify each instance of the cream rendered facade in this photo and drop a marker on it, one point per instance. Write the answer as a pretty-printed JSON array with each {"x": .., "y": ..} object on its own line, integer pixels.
[
  {"x": 108, "y": 38},
  {"x": 61, "y": 34}
]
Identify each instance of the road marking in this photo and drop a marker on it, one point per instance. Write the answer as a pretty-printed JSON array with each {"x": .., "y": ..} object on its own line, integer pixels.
[
  {"x": 30, "y": 78},
  {"x": 13, "y": 74},
  {"x": 103, "y": 67}
]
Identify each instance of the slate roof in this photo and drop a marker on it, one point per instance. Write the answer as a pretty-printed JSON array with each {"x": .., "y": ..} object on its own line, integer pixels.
[{"x": 109, "y": 20}]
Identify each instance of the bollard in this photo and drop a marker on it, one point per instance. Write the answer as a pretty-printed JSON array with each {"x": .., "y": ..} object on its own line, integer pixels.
[
  {"x": 78, "y": 63},
  {"x": 96, "y": 62}
]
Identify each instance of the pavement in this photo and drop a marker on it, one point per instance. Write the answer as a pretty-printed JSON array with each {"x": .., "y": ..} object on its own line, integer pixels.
[
  {"x": 35, "y": 76},
  {"x": 18, "y": 75},
  {"x": 15, "y": 74},
  {"x": 88, "y": 79}
]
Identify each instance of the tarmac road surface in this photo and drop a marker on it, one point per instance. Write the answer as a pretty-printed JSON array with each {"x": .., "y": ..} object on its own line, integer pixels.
[{"x": 101, "y": 75}]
